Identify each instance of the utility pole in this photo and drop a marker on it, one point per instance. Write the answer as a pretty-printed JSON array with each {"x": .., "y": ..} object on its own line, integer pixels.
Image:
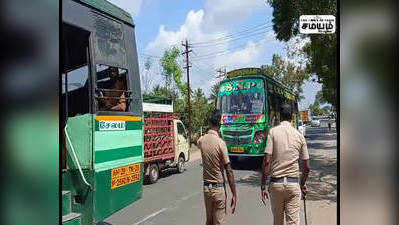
[
  {"x": 221, "y": 72},
  {"x": 187, "y": 67},
  {"x": 221, "y": 75}
]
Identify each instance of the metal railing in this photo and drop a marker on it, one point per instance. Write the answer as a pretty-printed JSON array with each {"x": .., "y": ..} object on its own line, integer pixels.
[{"x": 76, "y": 159}]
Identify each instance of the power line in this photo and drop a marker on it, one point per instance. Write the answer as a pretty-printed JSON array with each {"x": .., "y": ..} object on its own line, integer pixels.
[
  {"x": 222, "y": 71},
  {"x": 256, "y": 27},
  {"x": 221, "y": 52},
  {"x": 203, "y": 80},
  {"x": 254, "y": 33},
  {"x": 217, "y": 52},
  {"x": 211, "y": 54},
  {"x": 235, "y": 38},
  {"x": 230, "y": 36},
  {"x": 203, "y": 66},
  {"x": 259, "y": 34},
  {"x": 211, "y": 65},
  {"x": 199, "y": 69},
  {"x": 148, "y": 55}
]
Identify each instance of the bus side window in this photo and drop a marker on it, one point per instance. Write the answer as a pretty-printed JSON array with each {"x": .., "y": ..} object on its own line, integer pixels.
[
  {"x": 269, "y": 103},
  {"x": 76, "y": 93},
  {"x": 75, "y": 72},
  {"x": 111, "y": 91},
  {"x": 226, "y": 103},
  {"x": 219, "y": 104},
  {"x": 279, "y": 102},
  {"x": 275, "y": 109}
]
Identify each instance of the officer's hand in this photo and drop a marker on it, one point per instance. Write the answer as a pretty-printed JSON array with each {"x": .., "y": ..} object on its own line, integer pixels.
[
  {"x": 265, "y": 196},
  {"x": 233, "y": 204},
  {"x": 304, "y": 191}
]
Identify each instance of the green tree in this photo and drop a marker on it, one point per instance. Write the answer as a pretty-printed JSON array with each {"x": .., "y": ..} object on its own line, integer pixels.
[
  {"x": 321, "y": 50},
  {"x": 315, "y": 109},
  {"x": 180, "y": 107},
  {"x": 173, "y": 75},
  {"x": 199, "y": 110},
  {"x": 287, "y": 73},
  {"x": 276, "y": 69},
  {"x": 159, "y": 90},
  {"x": 200, "y": 107},
  {"x": 172, "y": 70},
  {"x": 320, "y": 97},
  {"x": 214, "y": 93},
  {"x": 146, "y": 77}
]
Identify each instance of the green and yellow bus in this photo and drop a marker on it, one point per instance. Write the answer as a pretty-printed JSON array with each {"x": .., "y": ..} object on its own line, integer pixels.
[
  {"x": 249, "y": 101},
  {"x": 102, "y": 138}
]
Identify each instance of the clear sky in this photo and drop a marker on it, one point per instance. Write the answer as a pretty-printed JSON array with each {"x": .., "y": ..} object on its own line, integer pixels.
[{"x": 224, "y": 33}]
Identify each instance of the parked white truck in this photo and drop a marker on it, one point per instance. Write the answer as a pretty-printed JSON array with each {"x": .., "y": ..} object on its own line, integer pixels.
[{"x": 165, "y": 138}]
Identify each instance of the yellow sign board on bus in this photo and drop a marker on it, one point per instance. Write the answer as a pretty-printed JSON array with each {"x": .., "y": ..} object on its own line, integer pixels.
[
  {"x": 244, "y": 71},
  {"x": 237, "y": 149}
]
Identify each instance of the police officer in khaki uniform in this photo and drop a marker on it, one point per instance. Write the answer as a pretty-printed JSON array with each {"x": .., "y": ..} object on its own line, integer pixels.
[
  {"x": 285, "y": 146},
  {"x": 215, "y": 161}
]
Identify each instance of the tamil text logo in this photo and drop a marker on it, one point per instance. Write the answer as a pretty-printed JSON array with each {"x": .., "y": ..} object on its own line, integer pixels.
[{"x": 317, "y": 24}]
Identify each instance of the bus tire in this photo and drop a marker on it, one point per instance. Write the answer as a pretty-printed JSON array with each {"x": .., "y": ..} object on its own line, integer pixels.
[{"x": 153, "y": 173}]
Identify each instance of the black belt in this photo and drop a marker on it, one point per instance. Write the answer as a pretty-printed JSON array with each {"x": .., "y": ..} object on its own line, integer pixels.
[
  {"x": 281, "y": 179},
  {"x": 213, "y": 184}
]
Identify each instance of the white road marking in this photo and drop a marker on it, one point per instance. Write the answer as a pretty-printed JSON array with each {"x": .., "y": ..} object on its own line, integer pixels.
[
  {"x": 150, "y": 216},
  {"x": 164, "y": 209},
  {"x": 189, "y": 196},
  {"x": 246, "y": 177}
]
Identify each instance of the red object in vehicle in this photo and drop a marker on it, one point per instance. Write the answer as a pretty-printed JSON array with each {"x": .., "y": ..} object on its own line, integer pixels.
[
  {"x": 159, "y": 141},
  {"x": 260, "y": 136}
]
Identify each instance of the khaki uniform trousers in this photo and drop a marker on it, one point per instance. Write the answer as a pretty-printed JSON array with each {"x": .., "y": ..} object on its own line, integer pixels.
[
  {"x": 215, "y": 202},
  {"x": 285, "y": 199}
]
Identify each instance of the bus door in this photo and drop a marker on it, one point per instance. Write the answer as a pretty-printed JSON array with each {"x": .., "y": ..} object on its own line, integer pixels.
[
  {"x": 77, "y": 123},
  {"x": 75, "y": 98}
]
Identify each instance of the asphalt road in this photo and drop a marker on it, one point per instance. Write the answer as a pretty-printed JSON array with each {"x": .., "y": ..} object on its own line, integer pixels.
[{"x": 178, "y": 198}]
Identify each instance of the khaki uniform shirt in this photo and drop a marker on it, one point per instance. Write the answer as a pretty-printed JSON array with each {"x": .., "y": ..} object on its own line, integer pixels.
[
  {"x": 286, "y": 145},
  {"x": 214, "y": 156}
]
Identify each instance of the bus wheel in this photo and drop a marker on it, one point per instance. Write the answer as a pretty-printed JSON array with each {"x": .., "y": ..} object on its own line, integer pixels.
[
  {"x": 180, "y": 164},
  {"x": 153, "y": 173}
]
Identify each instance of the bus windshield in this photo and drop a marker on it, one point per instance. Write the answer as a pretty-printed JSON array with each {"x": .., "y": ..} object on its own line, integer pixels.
[{"x": 242, "y": 97}]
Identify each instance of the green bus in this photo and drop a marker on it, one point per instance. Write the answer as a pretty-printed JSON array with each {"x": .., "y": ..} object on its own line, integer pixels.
[
  {"x": 102, "y": 122},
  {"x": 249, "y": 101}
]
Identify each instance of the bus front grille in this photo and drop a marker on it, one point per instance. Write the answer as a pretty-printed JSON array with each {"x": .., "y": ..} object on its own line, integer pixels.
[
  {"x": 237, "y": 141},
  {"x": 237, "y": 133}
]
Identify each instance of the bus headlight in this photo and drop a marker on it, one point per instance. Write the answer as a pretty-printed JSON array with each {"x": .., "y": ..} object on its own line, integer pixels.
[{"x": 259, "y": 136}]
